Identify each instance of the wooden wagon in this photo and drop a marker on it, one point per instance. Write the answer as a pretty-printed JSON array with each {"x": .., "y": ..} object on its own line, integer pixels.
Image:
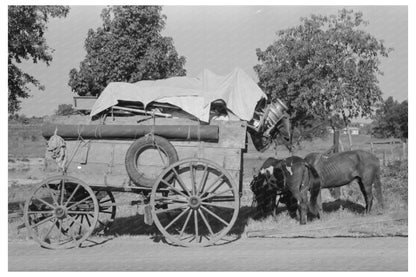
[
  {"x": 187, "y": 175},
  {"x": 194, "y": 197}
]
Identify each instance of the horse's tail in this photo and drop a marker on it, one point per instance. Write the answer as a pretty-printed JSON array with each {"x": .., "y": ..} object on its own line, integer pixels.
[{"x": 314, "y": 189}]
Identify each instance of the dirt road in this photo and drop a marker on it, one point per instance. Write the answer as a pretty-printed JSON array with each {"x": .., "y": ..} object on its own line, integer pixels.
[{"x": 261, "y": 254}]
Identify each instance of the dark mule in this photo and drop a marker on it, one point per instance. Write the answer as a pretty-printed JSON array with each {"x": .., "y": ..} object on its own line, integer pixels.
[
  {"x": 341, "y": 169},
  {"x": 290, "y": 178}
]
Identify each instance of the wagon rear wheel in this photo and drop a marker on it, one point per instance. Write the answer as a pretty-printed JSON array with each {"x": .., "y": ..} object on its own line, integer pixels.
[
  {"x": 194, "y": 202},
  {"x": 61, "y": 212},
  {"x": 107, "y": 211}
]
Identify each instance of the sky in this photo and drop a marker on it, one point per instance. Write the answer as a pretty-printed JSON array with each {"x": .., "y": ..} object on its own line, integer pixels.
[{"x": 218, "y": 38}]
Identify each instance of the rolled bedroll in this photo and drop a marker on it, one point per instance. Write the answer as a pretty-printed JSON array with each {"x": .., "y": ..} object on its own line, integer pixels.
[{"x": 128, "y": 132}]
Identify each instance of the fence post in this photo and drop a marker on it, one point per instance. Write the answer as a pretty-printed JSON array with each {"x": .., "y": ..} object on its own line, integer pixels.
[
  {"x": 384, "y": 157},
  {"x": 349, "y": 137},
  {"x": 371, "y": 143},
  {"x": 336, "y": 192}
]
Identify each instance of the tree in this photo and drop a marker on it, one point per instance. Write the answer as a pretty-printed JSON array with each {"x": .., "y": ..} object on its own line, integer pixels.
[
  {"x": 65, "y": 109},
  {"x": 391, "y": 120},
  {"x": 325, "y": 69},
  {"x": 26, "y": 28},
  {"x": 127, "y": 48}
]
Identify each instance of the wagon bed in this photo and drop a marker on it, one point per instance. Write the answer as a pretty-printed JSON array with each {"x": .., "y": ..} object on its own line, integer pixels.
[{"x": 206, "y": 180}]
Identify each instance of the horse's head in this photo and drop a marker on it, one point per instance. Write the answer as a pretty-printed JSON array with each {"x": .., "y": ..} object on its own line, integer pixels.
[
  {"x": 257, "y": 187},
  {"x": 264, "y": 194}
]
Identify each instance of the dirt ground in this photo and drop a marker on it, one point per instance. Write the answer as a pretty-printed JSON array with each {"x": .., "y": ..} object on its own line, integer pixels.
[{"x": 245, "y": 254}]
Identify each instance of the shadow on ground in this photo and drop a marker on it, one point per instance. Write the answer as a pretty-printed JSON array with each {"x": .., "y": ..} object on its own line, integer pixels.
[
  {"x": 338, "y": 204},
  {"x": 135, "y": 225}
]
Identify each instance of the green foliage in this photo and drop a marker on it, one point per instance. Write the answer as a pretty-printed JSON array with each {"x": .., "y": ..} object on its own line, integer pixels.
[
  {"x": 324, "y": 68},
  {"x": 395, "y": 179},
  {"x": 65, "y": 109},
  {"x": 391, "y": 120},
  {"x": 26, "y": 28},
  {"x": 128, "y": 47}
]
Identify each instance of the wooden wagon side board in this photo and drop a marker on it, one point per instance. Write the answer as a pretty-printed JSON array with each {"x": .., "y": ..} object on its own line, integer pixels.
[{"x": 102, "y": 162}]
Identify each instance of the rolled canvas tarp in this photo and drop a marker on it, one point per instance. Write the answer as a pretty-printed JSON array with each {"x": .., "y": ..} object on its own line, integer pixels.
[
  {"x": 192, "y": 94},
  {"x": 120, "y": 132}
]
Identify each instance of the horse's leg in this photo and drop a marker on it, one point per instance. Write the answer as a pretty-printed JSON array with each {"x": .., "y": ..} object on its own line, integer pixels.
[
  {"x": 303, "y": 207},
  {"x": 276, "y": 206},
  {"x": 319, "y": 202},
  {"x": 366, "y": 189}
]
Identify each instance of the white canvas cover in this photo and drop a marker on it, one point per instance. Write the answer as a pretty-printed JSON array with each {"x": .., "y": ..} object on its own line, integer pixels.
[{"x": 192, "y": 94}]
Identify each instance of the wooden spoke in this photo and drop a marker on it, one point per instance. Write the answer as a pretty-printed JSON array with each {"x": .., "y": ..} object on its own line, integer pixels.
[
  {"x": 181, "y": 183},
  {"x": 171, "y": 209},
  {"x": 216, "y": 187},
  {"x": 193, "y": 183},
  {"x": 81, "y": 212},
  {"x": 79, "y": 202},
  {"x": 203, "y": 180},
  {"x": 174, "y": 200},
  {"x": 88, "y": 220},
  {"x": 42, "y": 221},
  {"x": 175, "y": 189},
  {"x": 213, "y": 195},
  {"x": 48, "y": 188},
  {"x": 206, "y": 222},
  {"x": 41, "y": 212},
  {"x": 80, "y": 226},
  {"x": 73, "y": 220},
  {"x": 62, "y": 191},
  {"x": 176, "y": 218},
  {"x": 196, "y": 224},
  {"x": 105, "y": 212},
  {"x": 72, "y": 195},
  {"x": 44, "y": 202},
  {"x": 108, "y": 200},
  {"x": 216, "y": 205},
  {"x": 186, "y": 223},
  {"x": 215, "y": 215},
  {"x": 49, "y": 231},
  {"x": 216, "y": 180}
]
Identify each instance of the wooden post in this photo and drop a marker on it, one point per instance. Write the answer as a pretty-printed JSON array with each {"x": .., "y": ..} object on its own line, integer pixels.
[
  {"x": 371, "y": 143},
  {"x": 336, "y": 141},
  {"x": 336, "y": 192},
  {"x": 349, "y": 137},
  {"x": 384, "y": 157}
]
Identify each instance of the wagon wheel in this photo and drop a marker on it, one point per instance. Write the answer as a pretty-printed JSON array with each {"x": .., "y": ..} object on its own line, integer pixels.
[
  {"x": 194, "y": 202},
  {"x": 61, "y": 212},
  {"x": 106, "y": 212}
]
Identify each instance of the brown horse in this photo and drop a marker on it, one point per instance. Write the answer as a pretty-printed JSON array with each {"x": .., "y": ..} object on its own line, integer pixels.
[
  {"x": 343, "y": 168},
  {"x": 291, "y": 178}
]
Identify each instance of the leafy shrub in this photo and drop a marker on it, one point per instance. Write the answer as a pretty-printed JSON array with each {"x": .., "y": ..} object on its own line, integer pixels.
[{"x": 395, "y": 179}]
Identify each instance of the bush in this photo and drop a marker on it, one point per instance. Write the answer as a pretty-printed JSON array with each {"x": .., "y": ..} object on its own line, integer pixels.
[{"x": 395, "y": 180}]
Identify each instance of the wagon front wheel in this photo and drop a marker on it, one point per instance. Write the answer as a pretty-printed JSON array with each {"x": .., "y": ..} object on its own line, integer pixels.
[
  {"x": 194, "y": 202},
  {"x": 61, "y": 212}
]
